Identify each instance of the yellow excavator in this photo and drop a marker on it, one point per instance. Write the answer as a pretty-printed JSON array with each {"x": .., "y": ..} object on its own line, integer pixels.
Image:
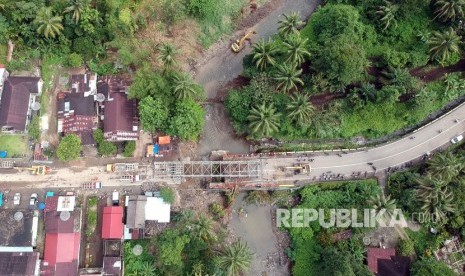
[{"x": 239, "y": 44}]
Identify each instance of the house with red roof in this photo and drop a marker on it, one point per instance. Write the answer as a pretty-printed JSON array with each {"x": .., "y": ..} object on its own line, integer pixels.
[
  {"x": 62, "y": 236},
  {"x": 112, "y": 223},
  {"x": 384, "y": 262}
]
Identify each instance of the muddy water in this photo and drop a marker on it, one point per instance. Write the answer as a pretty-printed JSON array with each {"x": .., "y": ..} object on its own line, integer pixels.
[
  {"x": 256, "y": 230},
  {"x": 218, "y": 133},
  {"x": 224, "y": 66}
]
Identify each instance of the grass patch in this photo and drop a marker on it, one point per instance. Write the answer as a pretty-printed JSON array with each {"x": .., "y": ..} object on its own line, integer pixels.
[
  {"x": 220, "y": 19},
  {"x": 15, "y": 145},
  {"x": 91, "y": 216},
  {"x": 50, "y": 67}
]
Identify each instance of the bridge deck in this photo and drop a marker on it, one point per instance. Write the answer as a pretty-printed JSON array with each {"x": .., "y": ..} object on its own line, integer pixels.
[{"x": 228, "y": 169}]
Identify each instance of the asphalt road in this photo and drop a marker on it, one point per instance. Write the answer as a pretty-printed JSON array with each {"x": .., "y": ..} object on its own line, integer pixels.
[
  {"x": 224, "y": 68},
  {"x": 413, "y": 147}
]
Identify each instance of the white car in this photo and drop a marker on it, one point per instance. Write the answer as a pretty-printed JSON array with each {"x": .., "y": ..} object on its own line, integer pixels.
[
  {"x": 33, "y": 200},
  {"x": 16, "y": 199},
  {"x": 456, "y": 139}
]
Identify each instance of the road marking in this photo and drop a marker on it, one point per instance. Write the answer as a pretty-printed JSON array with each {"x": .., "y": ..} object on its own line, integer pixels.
[{"x": 390, "y": 156}]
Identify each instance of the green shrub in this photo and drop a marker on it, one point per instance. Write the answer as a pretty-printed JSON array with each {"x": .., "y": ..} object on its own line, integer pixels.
[
  {"x": 75, "y": 60},
  {"x": 33, "y": 129},
  {"x": 167, "y": 194},
  {"x": 217, "y": 210},
  {"x": 98, "y": 135},
  {"x": 258, "y": 197},
  {"x": 129, "y": 148},
  {"x": 107, "y": 148},
  {"x": 406, "y": 248},
  {"x": 69, "y": 148}
]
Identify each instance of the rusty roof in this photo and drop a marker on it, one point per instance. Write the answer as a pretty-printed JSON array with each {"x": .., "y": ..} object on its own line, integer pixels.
[{"x": 15, "y": 101}]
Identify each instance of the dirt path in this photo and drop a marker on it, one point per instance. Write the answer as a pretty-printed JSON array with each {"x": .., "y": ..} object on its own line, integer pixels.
[{"x": 225, "y": 65}]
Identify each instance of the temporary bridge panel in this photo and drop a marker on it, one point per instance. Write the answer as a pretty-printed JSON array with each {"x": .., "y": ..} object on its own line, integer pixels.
[{"x": 228, "y": 169}]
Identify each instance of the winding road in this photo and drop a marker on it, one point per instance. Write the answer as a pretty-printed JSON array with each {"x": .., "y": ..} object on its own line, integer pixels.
[
  {"x": 427, "y": 139},
  {"x": 223, "y": 68}
]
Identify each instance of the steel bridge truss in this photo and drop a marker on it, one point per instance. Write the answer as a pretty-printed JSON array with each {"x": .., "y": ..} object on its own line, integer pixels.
[{"x": 226, "y": 169}]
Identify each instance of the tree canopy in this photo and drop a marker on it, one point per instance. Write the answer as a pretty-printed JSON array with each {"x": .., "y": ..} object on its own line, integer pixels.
[
  {"x": 187, "y": 120},
  {"x": 69, "y": 148},
  {"x": 153, "y": 114}
]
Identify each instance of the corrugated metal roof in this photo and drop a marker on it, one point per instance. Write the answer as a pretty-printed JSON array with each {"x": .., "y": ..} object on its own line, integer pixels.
[{"x": 112, "y": 224}]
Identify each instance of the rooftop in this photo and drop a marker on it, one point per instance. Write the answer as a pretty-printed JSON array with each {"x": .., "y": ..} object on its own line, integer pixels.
[
  {"x": 112, "y": 266},
  {"x": 77, "y": 114},
  {"x": 16, "y": 232},
  {"x": 15, "y": 264},
  {"x": 83, "y": 83},
  {"x": 61, "y": 254},
  {"x": 15, "y": 101},
  {"x": 156, "y": 209},
  {"x": 61, "y": 221},
  {"x": 121, "y": 120},
  {"x": 135, "y": 216},
  {"x": 384, "y": 262},
  {"x": 112, "y": 225}
]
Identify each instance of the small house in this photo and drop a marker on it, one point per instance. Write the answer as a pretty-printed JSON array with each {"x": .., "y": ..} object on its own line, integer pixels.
[
  {"x": 120, "y": 115},
  {"x": 17, "y": 97},
  {"x": 384, "y": 262},
  {"x": 112, "y": 223}
]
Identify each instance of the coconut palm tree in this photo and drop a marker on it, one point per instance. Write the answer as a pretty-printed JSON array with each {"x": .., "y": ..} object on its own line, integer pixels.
[
  {"x": 235, "y": 258},
  {"x": 295, "y": 49},
  {"x": 435, "y": 197},
  {"x": 49, "y": 24},
  {"x": 300, "y": 109},
  {"x": 290, "y": 24},
  {"x": 443, "y": 45},
  {"x": 203, "y": 228},
  {"x": 387, "y": 13},
  {"x": 449, "y": 10},
  {"x": 263, "y": 53},
  {"x": 76, "y": 7},
  {"x": 167, "y": 55},
  {"x": 184, "y": 87},
  {"x": 380, "y": 202},
  {"x": 429, "y": 187},
  {"x": 263, "y": 120},
  {"x": 288, "y": 76},
  {"x": 437, "y": 205},
  {"x": 445, "y": 166}
]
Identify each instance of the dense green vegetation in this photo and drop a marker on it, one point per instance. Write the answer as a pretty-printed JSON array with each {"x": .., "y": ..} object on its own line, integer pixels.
[
  {"x": 91, "y": 221},
  {"x": 129, "y": 148},
  {"x": 167, "y": 194},
  {"x": 84, "y": 30},
  {"x": 437, "y": 190},
  {"x": 433, "y": 196},
  {"x": 314, "y": 251},
  {"x": 69, "y": 148},
  {"x": 169, "y": 102},
  {"x": 193, "y": 246},
  {"x": 364, "y": 53},
  {"x": 105, "y": 148},
  {"x": 33, "y": 129}
]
